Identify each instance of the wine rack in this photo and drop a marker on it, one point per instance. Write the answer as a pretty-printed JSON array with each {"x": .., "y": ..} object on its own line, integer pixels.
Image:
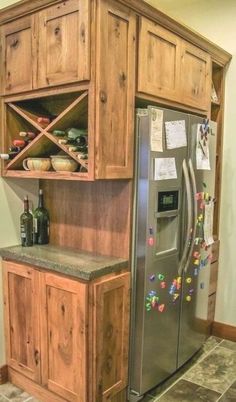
[{"x": 65, "y": 111}]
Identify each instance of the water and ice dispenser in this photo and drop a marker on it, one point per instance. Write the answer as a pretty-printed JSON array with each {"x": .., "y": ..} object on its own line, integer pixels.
[{"x": 167, "y": 221}]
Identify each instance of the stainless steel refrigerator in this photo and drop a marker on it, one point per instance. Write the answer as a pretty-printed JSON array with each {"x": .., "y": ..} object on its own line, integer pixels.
[{"x": 170, "y": 261}]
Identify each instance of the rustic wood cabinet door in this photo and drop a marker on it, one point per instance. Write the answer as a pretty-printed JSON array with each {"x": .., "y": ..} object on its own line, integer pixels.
[
  {"x": 195, "y": 77},
  {"x": 18, "y": 55},
  {"x": 64, "y": 336},
  {"x": 116, "y": 33},
  {"x": 159, "y": 53},
  {"x": 21, "y": 303},
  {"x": 111, "y": 336},
  {"x": 63, "y": 48}
]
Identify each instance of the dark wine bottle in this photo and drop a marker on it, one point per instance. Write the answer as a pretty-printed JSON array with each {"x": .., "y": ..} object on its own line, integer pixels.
[
  {"x": 10, "y": 155},
  {"x": 26, "y": 225},
  {"x": 59, "y": 133},
  {"x": 66, "y": 141},
  {"x": 78, "y": 148},
  {"x": 41, "y": 222},
  {"x": 27, "y": 135}
]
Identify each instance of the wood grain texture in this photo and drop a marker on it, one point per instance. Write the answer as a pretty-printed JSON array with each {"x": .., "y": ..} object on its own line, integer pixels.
[
  {"x": 213, "y": 277},
  {"x": 18, "y": 55},
  {"x": 90, "y": 216},
  {"x": 64, "y": 332},
  {"x": 63, "y": 52},
  {"x": 111, "y": 326},
  {"x": 32, "y": 387},
  {"x": 224, "y": 331},
  {"x": 158, "y": 76},
  {"x": 195, "y": 73},
  {"x": 3, "y": 374},
  {"x": 21, "y": 305},
  {"x": 115, "y": 87}
]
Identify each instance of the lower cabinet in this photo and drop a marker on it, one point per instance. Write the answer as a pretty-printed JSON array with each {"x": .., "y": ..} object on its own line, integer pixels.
[{"x": 67, "y": 340}]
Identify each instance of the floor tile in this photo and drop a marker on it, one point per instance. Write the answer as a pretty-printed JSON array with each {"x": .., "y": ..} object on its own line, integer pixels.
[
  {"x": 229, "y": 345},
  {"x": 229, "y": 395},
  {"x": 13, "y": 393},
  {"x": 216, "y": 371},
  {"x": 185, "y": 391},
  {"x": 3, "y": 399}
]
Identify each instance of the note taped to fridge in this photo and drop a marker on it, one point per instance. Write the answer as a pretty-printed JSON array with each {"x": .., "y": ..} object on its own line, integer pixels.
[
  {"x": 202, "y": 150},
  {"x": 156, "y": 130},
  {"x": 208, "y": 223},
  {"x": 175, "y": 134},
  {"x": 164, "y": 169}
]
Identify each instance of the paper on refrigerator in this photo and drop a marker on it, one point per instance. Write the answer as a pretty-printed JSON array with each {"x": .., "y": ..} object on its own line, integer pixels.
[
  {"x": 208, "y": 223},
  {"x": 202, "y": 151},
  {"x": 164, "y": 169},
  {"x": 156, "y": 141},
  {"x": 175, "y": 134}
]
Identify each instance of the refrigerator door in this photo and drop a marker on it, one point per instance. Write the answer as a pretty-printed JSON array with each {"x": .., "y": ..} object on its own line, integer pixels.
[
  {"x": 157, "y": 251},
  {"x": 194, "y": 326}
]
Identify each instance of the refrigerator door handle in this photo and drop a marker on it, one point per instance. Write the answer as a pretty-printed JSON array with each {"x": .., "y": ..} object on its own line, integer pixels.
[
  {"x": 194, "y": 223},
  {"x": 189, "y": 218}
]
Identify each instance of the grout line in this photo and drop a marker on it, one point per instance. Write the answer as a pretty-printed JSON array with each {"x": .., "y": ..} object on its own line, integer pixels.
[
  {"x": 3, "y": 396},
  {"x": 226, "y": 390},
  {"x": 182, "y": 377}
]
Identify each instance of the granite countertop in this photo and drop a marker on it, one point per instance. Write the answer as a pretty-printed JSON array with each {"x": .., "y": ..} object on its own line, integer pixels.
[{"x": 79, "y": 264}]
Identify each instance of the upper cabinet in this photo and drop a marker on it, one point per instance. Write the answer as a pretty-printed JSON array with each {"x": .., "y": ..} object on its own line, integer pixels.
[
  {"x": 63, "y": 51},
  {"x": 195, "y": 77},
  {"x": 171, "y": 68},
  {"x": 116, "y": 43},
  {"x": 18, "y": 52},
  {"x": 48, "y": 48},
  {"x": 159, "y": 56}
]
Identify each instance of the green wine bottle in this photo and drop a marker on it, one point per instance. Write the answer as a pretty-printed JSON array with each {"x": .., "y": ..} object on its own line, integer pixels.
[
  {"x": 41, "y": 222},
  {"x": 26, "y": 225}
]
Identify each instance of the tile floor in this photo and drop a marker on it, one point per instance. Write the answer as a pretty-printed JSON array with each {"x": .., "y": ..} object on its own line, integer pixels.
[{"x": 209, "y": 377}]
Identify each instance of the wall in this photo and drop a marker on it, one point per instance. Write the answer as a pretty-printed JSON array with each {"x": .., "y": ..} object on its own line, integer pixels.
[{"x": 215, "y": 19}]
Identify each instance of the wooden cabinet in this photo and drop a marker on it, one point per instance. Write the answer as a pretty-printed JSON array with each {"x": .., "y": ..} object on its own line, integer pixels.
[
  {"x": 21, "y": 300},
  {"x": 195, "y": 77},
  {"x": 48, "y": 48},
  {"x": 59, "y": 331},
  {"x": 18, "y": 55},
  {"x": 172, "y": 69},
  {"x": 116, "y": 43},
  {"x": 63, "y": 51},
  {"x": 159, "y": 56}
]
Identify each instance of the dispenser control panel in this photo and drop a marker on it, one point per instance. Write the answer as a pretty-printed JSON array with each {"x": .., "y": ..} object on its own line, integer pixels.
[{"x": 168, "y": 201}]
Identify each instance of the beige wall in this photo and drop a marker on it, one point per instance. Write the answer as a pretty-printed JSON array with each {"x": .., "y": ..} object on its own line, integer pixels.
[{"x": 215, "y": 19}]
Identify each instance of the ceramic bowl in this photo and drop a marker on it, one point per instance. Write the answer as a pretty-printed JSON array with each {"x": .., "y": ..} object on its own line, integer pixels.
[
  {"x": 40, "y": 164},
  {"x": 63, "y": 163}
]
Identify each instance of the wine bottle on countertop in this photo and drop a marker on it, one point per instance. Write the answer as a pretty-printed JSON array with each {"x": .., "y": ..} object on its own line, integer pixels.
[
  {"x": 26, "y": 225},
  {"x": 41, "y": 222}
]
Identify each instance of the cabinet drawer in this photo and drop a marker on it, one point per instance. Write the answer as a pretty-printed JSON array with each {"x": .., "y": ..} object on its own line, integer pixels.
[
  {"x": 213, "y": 277},
  {"x": 211, "y": 307}
]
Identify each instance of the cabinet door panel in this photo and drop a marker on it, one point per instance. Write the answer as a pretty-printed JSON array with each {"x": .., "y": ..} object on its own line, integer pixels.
[
  {"x": 158, "y": 61},
  {"x": 64, "y": 336},
  {"x": 115, "y": 90},
  {"x": 111, "y": 318},
  {"x": 196, "y": 77},
  {"x": 18, "y": 55},
  {"x": 21, "y": 313},
  {"x": 63, "y": 54}
]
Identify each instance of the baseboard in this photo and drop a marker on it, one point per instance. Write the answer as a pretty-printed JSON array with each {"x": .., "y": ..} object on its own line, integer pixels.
[
  {"x": 224, "y": 331},
  {"x": 3, "y": 374}
]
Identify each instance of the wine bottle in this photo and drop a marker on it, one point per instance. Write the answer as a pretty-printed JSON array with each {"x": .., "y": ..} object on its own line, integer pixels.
[
  {"x": 76, "y": 132},
  {"x": 28, "y": 135},
  {"x": 8, "y": 156},
  {"x": 82, "y": 140},
  {"x": 41, "y": 222},
  {"x": 26, "y": 225},
  {"x": 66, "y": 141},
  {"x": 78, "y": 148},
  {"x": 43, "y": 121},
  {"x": 59, "y": 133},
  {"x": 20, "y": 143}
]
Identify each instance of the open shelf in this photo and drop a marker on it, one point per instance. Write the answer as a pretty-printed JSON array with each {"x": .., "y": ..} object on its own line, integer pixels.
[{"x": 64, "y": 111}]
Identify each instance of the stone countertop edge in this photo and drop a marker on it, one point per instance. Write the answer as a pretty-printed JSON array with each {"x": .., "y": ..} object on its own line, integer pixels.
[{"x": 112, "y": 265}]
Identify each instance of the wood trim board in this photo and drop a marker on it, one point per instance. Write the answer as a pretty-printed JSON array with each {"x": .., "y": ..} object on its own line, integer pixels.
[
  {"x": 3, "y": 374},
  {"x": 224, "y": 331}
]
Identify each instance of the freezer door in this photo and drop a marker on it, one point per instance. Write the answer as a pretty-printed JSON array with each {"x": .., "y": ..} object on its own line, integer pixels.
[
  {"x": 194, "y": 326},
  {"x": 157, "y": 250}
]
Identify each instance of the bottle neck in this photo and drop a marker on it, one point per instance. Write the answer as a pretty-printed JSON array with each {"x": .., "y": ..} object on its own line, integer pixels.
[
  {"x": 40, "y": 205},
  {"x": 26, "y": 205}
]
